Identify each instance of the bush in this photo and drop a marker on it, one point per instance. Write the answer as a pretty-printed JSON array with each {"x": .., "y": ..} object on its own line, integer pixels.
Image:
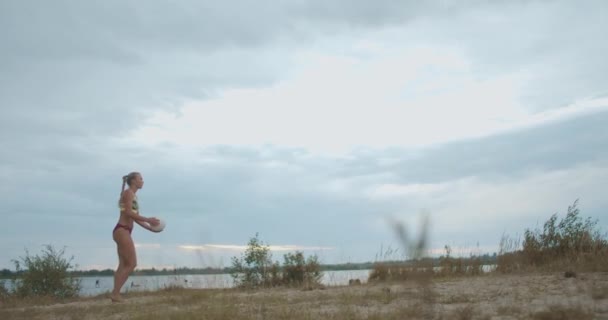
[
  {"x": 451, "y": 266},
  {"x": 46, "y": 275},
  {"x": 567, "y": 241},
  {"x": 380, "y": 272},
  {"x": 509, "y": 258},
  {"x": 572, "y": 242},
  {"x": 255, "y": 266},
  {"x": 424, "y": 268},
  {"x": 298, "y": 270},
  {"x": 256, "y": 269}
]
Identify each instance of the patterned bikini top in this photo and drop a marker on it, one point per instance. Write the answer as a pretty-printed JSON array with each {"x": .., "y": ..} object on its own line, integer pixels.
[{"x": 134, "y": 206}]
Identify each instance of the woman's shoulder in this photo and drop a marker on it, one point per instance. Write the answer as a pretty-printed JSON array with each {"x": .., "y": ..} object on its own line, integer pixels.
[{"x": 127, "y": 194}]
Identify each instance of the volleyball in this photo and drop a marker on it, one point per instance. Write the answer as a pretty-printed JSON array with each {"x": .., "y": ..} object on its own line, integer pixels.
[{"x": 159, "y": 227}]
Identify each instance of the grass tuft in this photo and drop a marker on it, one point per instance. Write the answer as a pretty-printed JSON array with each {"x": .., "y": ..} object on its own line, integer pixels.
[{"x": 559, "y": 312}]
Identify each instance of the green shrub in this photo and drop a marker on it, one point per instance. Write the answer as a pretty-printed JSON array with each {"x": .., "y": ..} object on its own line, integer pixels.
[
  {"x": 256, "y": 269},
  {"x": 298, "y": 270},
  {"x": 46, "y": 275},
  {"x": 572, "y": 242}
]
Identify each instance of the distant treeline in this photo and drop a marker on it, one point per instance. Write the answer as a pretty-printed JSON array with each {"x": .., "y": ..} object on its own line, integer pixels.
[{"x": 7, "y": 274}]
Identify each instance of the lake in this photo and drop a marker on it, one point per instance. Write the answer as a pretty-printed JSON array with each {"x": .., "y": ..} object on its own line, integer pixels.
[{"x": 91, "y": 286}]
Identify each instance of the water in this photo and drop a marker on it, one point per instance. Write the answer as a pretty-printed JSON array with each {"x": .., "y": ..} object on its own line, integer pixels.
[{"x": 91, "y": 286}]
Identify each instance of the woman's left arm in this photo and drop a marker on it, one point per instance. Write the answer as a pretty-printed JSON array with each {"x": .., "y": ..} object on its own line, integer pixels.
[{"x": 144, "y": 225}]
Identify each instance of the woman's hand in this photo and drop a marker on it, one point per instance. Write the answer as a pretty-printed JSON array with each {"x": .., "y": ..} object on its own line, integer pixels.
[
  {"x": 146, "y": 223},
  {"x": 153, "y": 221}
]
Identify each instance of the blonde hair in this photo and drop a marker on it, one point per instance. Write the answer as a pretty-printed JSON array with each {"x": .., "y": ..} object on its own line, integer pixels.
[{"x": 127, "y": 180}]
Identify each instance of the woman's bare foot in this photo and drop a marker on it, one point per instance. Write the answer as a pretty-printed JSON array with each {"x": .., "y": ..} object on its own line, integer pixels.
[{"x": 117, "y": 299}]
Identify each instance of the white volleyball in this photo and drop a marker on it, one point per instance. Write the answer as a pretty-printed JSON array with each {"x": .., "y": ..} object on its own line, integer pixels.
[{"x": 159, "y": 227}]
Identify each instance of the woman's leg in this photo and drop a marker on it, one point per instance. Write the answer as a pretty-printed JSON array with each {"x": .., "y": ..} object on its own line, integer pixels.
[{"x": 127, "y": 260}]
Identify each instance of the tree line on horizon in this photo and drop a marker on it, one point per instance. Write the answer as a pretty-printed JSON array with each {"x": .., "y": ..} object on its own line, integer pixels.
[{"x": 368, "y": 265}]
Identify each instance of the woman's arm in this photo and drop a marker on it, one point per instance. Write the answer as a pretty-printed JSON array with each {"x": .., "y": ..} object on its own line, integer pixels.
[
  {"x": 144, "y": 225},
  {"x": 127, "y": 200}
]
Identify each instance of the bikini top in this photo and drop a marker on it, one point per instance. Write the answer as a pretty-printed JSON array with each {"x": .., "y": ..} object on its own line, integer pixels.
[{"x": 134, "y": 206}]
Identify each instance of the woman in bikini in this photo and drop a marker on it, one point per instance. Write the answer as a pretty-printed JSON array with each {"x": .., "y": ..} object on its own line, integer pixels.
[{"x": 129, "y": 212}]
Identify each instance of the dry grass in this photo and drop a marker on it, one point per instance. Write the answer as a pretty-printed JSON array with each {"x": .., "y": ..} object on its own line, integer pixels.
[
  {"x": 458, "y": 298},
  {"x": 571, "y": 244},
  {"x": 599, "y": 291},
  {"x": 466, "y": 312},
  {"x": 559, "y": 312},
  {"x": 522, "y": 296},
  {"x": 509, "y": 310}
]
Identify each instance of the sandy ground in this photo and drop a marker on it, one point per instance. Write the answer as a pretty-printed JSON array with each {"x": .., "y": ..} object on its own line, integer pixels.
[{"x": 530, "y": 296}]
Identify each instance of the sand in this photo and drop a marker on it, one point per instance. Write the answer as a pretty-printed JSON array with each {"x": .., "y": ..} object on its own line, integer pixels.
[{"x": 495, "y": 296}]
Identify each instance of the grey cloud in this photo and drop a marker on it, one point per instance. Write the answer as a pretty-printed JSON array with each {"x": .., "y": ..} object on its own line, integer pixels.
[
  {"x": 552, "y": 146},
  {"x": 554, "y": 43},
  {"x": 362, "y": 13},
  {"x": 120, "y": 31},
  {"x": 95, "y": 68},
  {"x": 74, "y": 69}
]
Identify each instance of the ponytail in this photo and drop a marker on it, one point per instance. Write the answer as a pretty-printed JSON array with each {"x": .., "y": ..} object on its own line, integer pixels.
[
  {"x": 127, "y": 180},
  {"x": 124, "y": 181}
]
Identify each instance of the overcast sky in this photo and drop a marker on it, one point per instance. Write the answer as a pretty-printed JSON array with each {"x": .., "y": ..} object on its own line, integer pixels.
[{"x": 314, "y": 123}]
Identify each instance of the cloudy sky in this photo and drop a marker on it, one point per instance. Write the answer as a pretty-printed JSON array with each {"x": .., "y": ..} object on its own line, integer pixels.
[{"x": 317, "y": 124}]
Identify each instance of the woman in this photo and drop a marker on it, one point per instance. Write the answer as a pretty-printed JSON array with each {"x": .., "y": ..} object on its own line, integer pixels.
[{"x": 129, "y": 212}]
